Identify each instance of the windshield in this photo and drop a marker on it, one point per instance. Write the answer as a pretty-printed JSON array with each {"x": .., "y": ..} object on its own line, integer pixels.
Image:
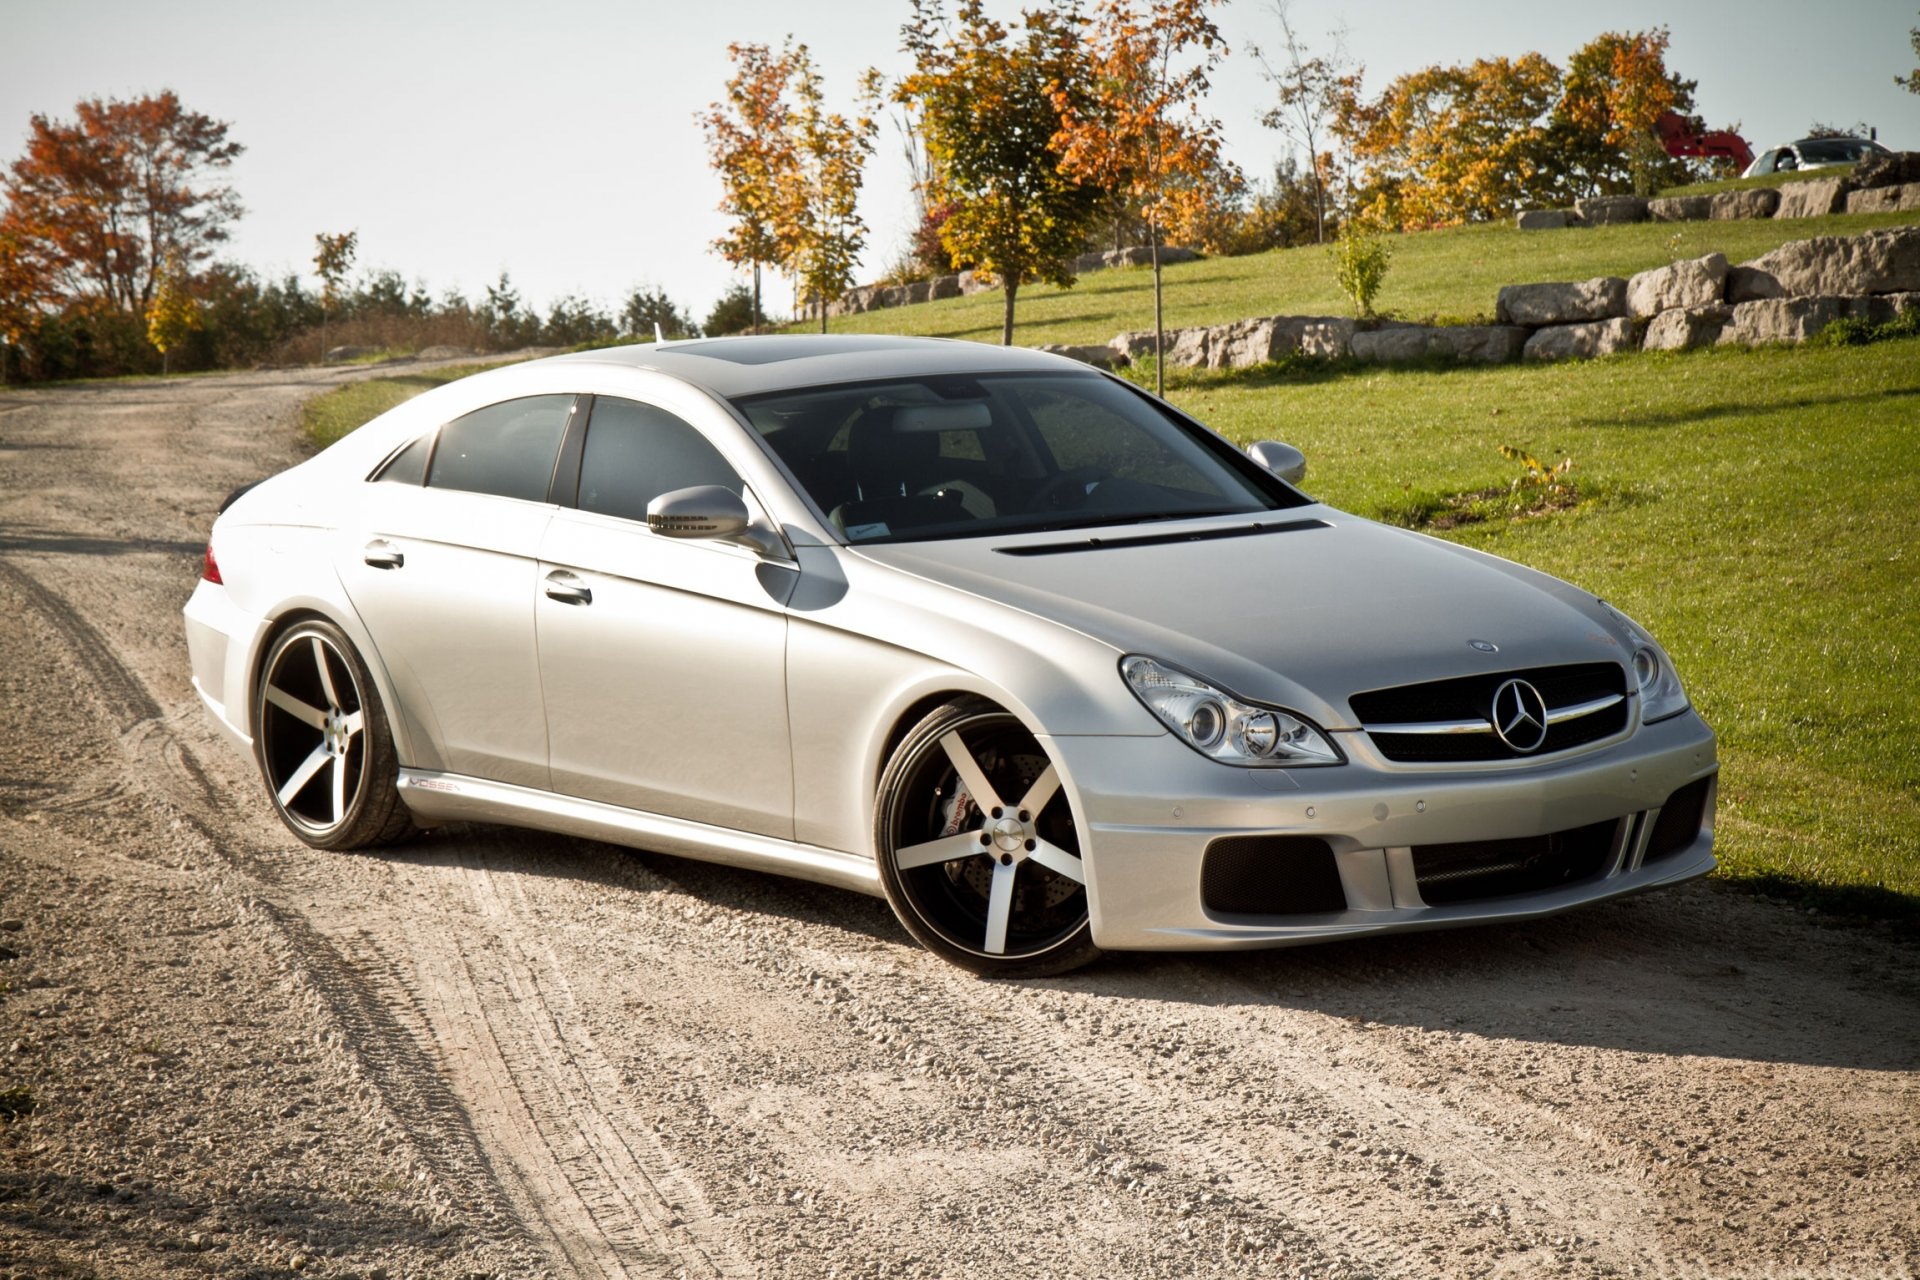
[
  {"x": 1832, "y": 151},
  {"x": 947, "y": 457}
]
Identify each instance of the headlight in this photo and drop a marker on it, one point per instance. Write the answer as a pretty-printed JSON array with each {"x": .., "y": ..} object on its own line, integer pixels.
[
  {"x": 1220, "y": 726},
  {"x": 1661, "y": 696}
]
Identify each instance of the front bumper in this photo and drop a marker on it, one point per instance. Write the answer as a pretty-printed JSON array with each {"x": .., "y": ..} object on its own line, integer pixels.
[{"x": 1149, "y": 809}]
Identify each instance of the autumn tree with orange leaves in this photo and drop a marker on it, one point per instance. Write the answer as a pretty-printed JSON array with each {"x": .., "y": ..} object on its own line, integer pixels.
[
  {"x": 987, "y": 101},
  {"x": 1607, "y": 121},
  {"x": 1474, "y": 142},
  {"x": 1139, "y": 128},
  {"x": 820, "y": 231},
  {"x": 1452, "y": 144},
  {"x": 749, "y": 145},
  {"x": 99, "y": 203}
]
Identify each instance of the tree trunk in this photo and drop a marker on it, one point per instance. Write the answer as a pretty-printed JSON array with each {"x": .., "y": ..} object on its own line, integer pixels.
[
  {"x": 755, "y": 326},
  {"x": 823, "y": 313},
  {"x": 1159, "y": 324},
  {"x": 1008, "y": 289}
]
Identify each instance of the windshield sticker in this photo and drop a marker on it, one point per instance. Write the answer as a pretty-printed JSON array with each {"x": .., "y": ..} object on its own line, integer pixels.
[{"x": 878, "y": 529}]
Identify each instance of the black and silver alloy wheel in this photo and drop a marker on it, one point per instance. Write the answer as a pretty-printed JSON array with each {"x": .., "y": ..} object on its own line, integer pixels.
[
  {"x": 978, "y": 851},
  {"x": 323, "y": 743}
]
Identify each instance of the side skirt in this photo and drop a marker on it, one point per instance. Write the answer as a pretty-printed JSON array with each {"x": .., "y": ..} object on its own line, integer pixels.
[{"x": 452, "y": 797}]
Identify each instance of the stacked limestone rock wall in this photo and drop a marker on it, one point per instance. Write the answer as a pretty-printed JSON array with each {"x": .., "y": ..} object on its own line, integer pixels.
[
  {"x": 874, "y": 297},
  {"x": 1788, "y": 295},
  {"x": 1880, "y": 184}
]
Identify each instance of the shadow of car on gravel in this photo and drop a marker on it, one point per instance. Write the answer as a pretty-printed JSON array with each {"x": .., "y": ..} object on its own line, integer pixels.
[{"x": 1702, "y": 971}]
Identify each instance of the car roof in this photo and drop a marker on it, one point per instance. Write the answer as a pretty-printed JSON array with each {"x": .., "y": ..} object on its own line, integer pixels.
[
  {"x": 1803, "y": 142},
  {"x": 745, "y": 366}
]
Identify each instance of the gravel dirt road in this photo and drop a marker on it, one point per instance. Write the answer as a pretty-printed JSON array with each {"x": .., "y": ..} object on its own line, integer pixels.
[{"x": 489, "y": 1052}]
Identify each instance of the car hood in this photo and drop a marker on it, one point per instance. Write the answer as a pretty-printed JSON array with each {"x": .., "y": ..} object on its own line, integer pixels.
[{"x": 1315, "y": 607}]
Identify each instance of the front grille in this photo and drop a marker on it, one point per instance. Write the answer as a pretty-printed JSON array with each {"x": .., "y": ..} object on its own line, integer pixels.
[
  {"x": 1270, "y": 876},
  {"x": 1470, "y": 698},
  {"x": 1479, "y": 869},
  {"x": 1679, "y": 822}
]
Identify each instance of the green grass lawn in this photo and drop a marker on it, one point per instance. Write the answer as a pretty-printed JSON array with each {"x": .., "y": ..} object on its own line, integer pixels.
[
  {"x": 1755, "y": 509},
  {"x": 1451, "y": 276}
]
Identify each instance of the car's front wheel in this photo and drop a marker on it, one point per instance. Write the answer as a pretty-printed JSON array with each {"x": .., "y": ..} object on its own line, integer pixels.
[
  {"x": 978, "y": 851},
  {"x": 324, "y": 746}
]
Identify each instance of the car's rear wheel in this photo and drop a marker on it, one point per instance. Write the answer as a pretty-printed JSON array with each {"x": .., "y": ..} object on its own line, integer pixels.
[
  {"x": 978, "y": 851},
  {"x": 324, "y": 746}
]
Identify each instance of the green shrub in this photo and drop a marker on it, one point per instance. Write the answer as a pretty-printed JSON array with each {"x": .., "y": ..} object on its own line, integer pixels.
[
  {"x": 1360, "y": 260},
  {"x": 1855, "y": 331}
]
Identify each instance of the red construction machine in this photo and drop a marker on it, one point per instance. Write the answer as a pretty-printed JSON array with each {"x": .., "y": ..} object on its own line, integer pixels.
[{"x": 1684, "y": 137}]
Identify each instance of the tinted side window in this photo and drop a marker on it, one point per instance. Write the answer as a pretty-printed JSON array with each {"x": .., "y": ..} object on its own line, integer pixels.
[
  {"x": 409, "y": 466},
  {"x": 636, "y": 452},
  {"x": 505, "y": 449}
]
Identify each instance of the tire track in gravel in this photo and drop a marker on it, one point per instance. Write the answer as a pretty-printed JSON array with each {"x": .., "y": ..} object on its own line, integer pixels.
[
  {"x": 390, "y": 1059},
  {"x": 639, "y": 1187},
  {"x": 541, "y": 1095},
  {"x": 1407, "y": 1156}
]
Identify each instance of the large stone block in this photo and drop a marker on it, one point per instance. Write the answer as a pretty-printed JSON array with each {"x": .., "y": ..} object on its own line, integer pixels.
[
  {"x": 1600, "y": 211},
  {"x": 1680, "y": 208},
  {"x": 1889, "y": 169},
  {"x": 1812, "y": 198},
  {"x": 1469, "y": 344},
  {"x": 1136, "y": 344},
  {"x": 1187, "y": 348},
  {"x": 1900, "y": 199},
  {"x": 1245, "y": 343},
  {"x": 1731, "y": 206},
  {"x": 1696, "y": 282},
  {"x": 1545, "y": 219},
  {"x": 943, "y": 287},
  {"x": 1878, "y": 309},
  {"x": 1886, "y": 261},
  {"x": 1330, "y": 337},
  {"x": 1685, "y": 328},
  {"x": 1569, "y": 302},
  {"x": 1583, "y": 341},
  {"x": 1784, "y": 319},
  {"x": 972, "y": 282},
  {"x": 1098, "y": 357}
]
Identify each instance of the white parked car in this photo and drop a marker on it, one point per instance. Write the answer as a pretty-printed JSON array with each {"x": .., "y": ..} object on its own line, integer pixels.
[
  {"x": 1813, "y": 153},
  {"x": 1036, "y": 656}
]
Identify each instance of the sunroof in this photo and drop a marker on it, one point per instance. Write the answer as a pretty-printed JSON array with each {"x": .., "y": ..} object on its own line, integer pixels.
[{"x": 772, "y": 350}]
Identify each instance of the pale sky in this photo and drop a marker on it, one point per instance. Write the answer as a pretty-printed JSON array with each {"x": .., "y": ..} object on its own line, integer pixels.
[{"x": 557, "y": 140}]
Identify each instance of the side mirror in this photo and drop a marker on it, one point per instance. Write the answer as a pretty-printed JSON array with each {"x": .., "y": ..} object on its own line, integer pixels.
[
  {"x": 703, "y": 511},
  {"x": 1283, "y": 460}
]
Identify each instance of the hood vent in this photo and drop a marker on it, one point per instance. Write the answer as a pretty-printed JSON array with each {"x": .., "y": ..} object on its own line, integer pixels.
[{"x": 1161, "y": 539}]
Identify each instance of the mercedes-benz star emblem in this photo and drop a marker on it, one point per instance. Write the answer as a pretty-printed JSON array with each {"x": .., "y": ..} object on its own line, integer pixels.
[
  {"x": 1520, "y": 716},
  {"x": 1484, "y": 646}
]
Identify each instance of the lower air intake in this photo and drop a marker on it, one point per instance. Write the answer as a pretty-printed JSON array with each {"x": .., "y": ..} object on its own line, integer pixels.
[
  {"x": 1480, "y": 869},
  {"x": 1679, "y": 822},
  {"x": 1270, "y": 876}
]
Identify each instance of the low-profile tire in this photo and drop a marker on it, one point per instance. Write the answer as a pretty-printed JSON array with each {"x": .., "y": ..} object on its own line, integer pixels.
[
  {"x": 323, "y": 744},
  {"x": 978, "y": 851}
]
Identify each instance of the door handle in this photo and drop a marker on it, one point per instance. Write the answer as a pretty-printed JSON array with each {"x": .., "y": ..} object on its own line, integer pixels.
[
  {"x": 382, "y": 554},
  {"x": 566, "y": 588}
]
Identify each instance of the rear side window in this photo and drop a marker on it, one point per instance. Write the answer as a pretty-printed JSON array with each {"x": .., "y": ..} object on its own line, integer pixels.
[
  {"x": 636, "y": 452},
  {"x": 409, "y": 466},
  {"x": 505, "y": 449}
]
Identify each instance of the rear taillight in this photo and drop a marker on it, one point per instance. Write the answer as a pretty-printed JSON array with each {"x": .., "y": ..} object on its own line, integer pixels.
[{"x": 211, "y": 569}]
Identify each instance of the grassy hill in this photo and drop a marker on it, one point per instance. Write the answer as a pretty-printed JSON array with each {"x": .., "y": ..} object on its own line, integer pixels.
[{"x": 1449, "y": 276}]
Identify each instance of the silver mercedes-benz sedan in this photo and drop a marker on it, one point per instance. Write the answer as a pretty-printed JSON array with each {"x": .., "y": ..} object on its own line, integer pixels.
[{"x": 1034, "y": 655}]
